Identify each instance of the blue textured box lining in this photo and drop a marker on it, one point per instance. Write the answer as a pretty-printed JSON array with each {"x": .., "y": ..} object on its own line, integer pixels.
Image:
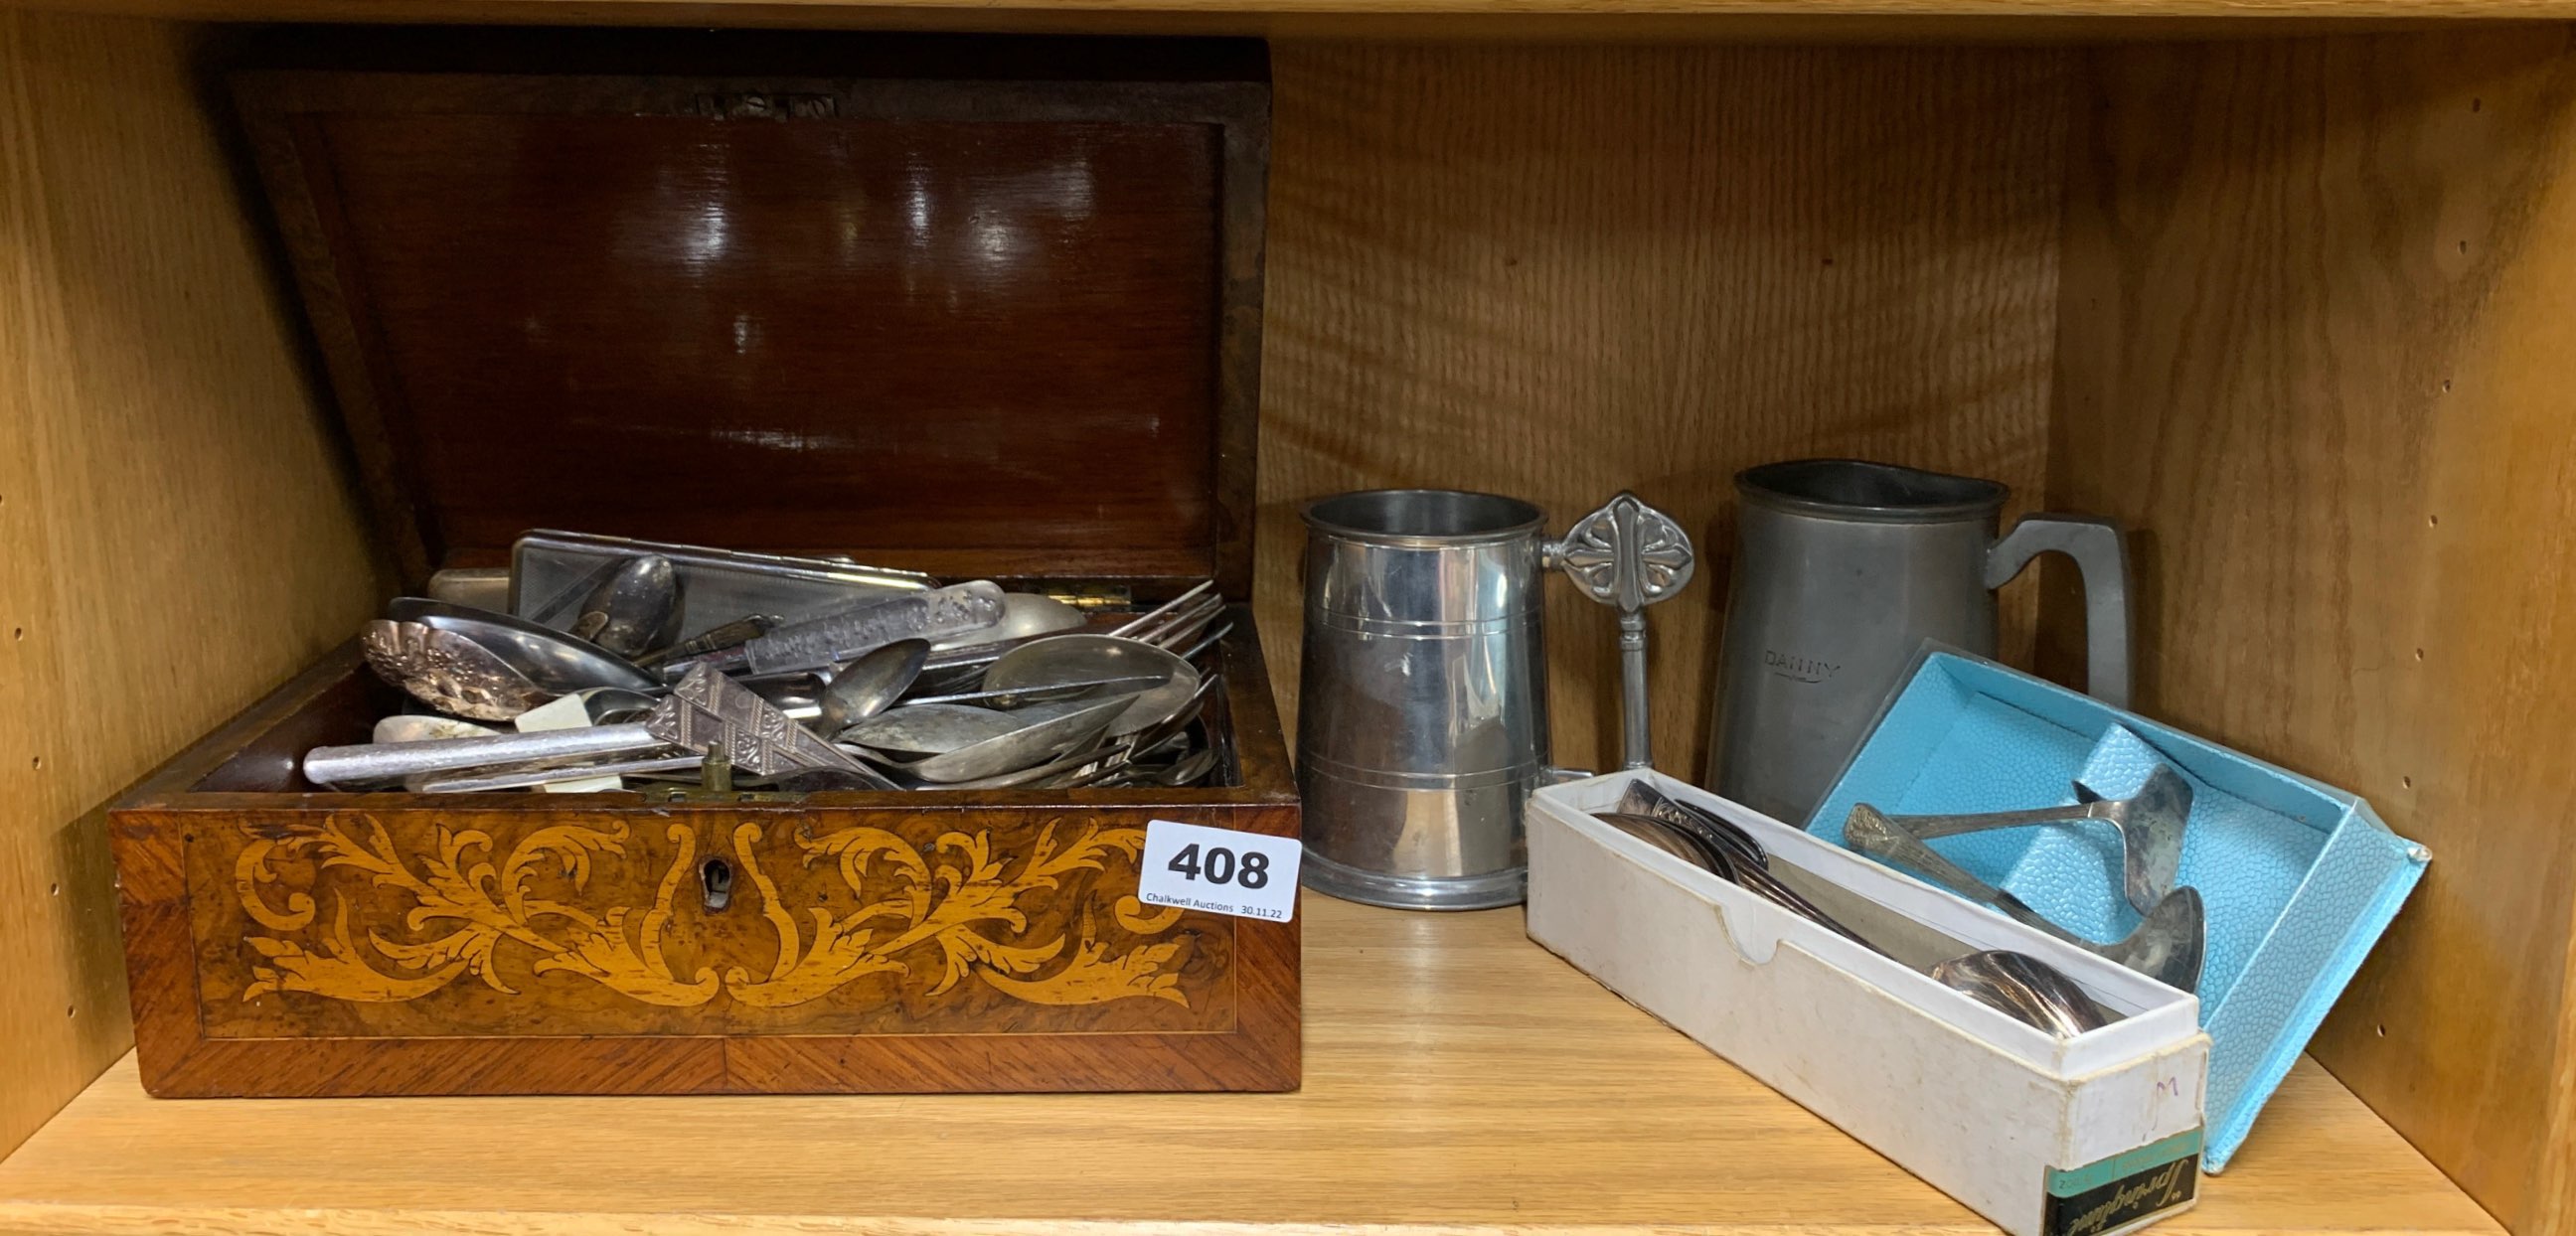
[{"x": 1970, "y": 736}]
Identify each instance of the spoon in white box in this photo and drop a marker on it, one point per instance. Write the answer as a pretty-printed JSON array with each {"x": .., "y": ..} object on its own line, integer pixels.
[{"x": 2015, "y": 984}]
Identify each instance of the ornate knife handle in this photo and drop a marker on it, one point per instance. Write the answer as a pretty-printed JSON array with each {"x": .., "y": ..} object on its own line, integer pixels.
[{"x": 1628, "y": 555}]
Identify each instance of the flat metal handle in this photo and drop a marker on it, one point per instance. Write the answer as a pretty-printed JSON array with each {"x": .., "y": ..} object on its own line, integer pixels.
[
  {"x": 2101, "y": 553},
  {"x": 1928, "y": 827},
  {"x": 1872, "y": 833},
  {"x": 366, "y": 763}
]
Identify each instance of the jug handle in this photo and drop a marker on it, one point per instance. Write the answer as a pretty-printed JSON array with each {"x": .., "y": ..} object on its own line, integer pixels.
[{"x": 2101, "y": 555}]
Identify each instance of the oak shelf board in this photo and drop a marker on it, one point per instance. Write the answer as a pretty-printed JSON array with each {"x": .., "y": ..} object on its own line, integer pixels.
[{"x": 1458, "y": 1079}]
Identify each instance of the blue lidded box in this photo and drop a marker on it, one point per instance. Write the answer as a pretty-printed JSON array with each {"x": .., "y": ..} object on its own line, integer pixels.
[{"x": 2299, "y": 878}]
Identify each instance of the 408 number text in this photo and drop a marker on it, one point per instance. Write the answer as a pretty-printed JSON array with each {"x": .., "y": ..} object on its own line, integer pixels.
[{"x": 1219, "y": 865}]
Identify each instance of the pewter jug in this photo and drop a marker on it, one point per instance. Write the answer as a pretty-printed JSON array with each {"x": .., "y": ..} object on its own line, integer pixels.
[
  {"x": 1843, "y": 570},
  {"x": 1422, "y": 708}
]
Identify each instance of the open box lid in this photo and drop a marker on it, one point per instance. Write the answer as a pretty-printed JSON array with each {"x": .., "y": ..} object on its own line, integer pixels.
[{"x": 970, "y": 307}]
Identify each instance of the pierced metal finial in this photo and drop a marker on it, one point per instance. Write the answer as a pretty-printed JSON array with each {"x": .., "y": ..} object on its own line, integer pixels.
[{"x": 1628, "y": 555}]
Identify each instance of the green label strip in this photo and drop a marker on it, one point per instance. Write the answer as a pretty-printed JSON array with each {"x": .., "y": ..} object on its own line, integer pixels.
[{"x": 2093, "y": 1176}]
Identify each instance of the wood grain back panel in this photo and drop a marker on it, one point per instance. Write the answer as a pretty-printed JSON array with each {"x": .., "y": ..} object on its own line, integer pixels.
[
  {"x": 2315, "y": 342},
  {"x": 1557, "y": 272},
  {"x": 176, "y": 535}
]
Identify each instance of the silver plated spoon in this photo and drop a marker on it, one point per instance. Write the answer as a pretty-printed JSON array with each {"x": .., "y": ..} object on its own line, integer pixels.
[
  {"x": 1115, "y": 758},
  {"x": 2167, "y": 945},
  {"x": 2020, "y": 986},
  {"x": 1030, "y": 744},
  {"x": 1022, "y": 697},
  {"x": 448, "y": 671},
  {"x": 2150, "y": 824},
  {"x": 554, "y": 661},
  {"x": 2024, "y": 987},
  {"x": 635, "y": 610},
  {"x": 864, "y": 687},
  {"x": 928, "y": 729},
  {"x": 1186, "y": 770},
  {"x": 610, "y": 705},
  {"x": 1072, "y": 658}
]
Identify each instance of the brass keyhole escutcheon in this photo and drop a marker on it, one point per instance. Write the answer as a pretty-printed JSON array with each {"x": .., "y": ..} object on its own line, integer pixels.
[{"x": 715, "y": 878}]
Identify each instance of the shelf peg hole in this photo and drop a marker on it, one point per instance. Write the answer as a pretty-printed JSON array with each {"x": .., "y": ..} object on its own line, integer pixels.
[
  {"x": 55, "y": 890},
  {"x": 2432, "y": 521},
  {"x": 2419, "y": 654},
  {"x": 2383, "y": 1031},
  {"x": 2408, "y": 782},
  {"x": 36, "y": 763}
]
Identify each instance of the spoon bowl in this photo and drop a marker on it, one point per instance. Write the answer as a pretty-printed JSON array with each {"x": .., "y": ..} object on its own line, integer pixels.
[
  {"x": 448, "y": 671},
  {"x": 1022, "y": 747},
  {"x": 2024, "y": 988},
  {"x": 864, "y": 687},
  {"x": 610, "y": 705},
  {"x": 1071, "y": 658},
  {"x": 799, "y": 695},
  {"x": 555, "y": 662},
  {"x": 635, "y": 610},
  {"x": 929, "y": 729}
]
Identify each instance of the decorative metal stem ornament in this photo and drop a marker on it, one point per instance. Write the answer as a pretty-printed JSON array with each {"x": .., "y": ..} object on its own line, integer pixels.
[
  {"x": 1628, "y": 555},
  {"x": 710, "y": 712}
]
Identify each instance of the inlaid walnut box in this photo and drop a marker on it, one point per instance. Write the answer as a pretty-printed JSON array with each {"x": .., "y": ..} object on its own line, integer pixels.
[{"x": 981, "y": 308}]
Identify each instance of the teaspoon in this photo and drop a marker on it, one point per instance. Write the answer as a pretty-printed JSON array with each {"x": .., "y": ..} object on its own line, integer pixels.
[
  {"x": 635, "y": 610},
  {"x": 864, "y": 687}
]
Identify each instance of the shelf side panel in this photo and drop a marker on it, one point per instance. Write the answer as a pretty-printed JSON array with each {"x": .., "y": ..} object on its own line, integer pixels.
[
  {"x": 2314, "y": 344},
  {"x": 175, "y": 535}
]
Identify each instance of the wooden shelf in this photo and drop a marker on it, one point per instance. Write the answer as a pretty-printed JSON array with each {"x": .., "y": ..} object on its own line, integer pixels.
[{"x": 1457, "y": 1077}]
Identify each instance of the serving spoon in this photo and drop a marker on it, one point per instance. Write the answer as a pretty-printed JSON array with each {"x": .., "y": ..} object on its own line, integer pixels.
[
  {"x": 447, "y": 671},
  {"x": 2167, "y": 945},
  {"x": 554, "y": 660}
]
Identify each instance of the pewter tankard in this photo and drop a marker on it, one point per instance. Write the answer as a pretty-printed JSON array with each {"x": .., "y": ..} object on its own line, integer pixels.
[
  {"x": 1843, "y": 569},
  {"x": 1422, "y": 707}
]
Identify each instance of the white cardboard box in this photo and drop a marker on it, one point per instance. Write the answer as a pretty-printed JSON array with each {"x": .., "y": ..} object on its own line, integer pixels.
[{"x": 2087, "y": 1136}]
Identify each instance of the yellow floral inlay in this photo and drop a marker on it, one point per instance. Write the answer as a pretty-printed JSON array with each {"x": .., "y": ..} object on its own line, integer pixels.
[{"x": 951, "y": 896}]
